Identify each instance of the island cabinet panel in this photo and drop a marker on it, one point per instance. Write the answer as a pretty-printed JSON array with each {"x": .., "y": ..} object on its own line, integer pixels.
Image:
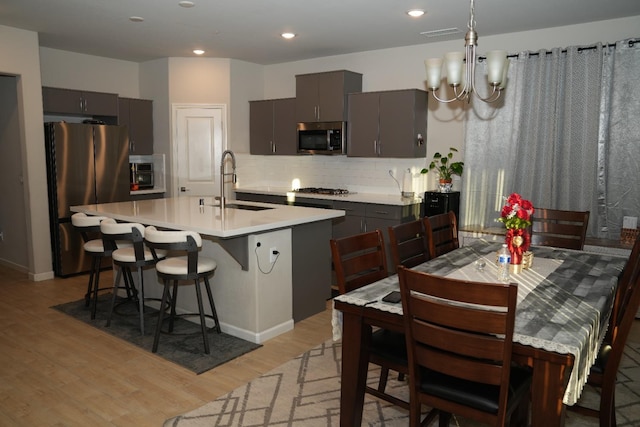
[
  {"x": 387, "y": 124},
  {"x": 272, "y": 127},
  {"x": 137, "y": 114},
  {"x": 322, "y": 97},
  {"x": 76, "y": 102}
]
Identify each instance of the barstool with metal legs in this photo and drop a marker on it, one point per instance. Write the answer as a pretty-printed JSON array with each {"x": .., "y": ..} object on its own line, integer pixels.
[
  {"x": 89, "y": 228},
  {"x": 189, "y": 269},
  {"x": 136, "y": 256}
]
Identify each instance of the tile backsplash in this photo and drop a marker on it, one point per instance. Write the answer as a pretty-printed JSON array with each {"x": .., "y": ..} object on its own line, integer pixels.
[{"x": 362, "y": 175}]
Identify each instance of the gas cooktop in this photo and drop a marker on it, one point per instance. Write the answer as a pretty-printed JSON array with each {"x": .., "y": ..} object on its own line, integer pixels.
[{"x": 319, "y": 190}]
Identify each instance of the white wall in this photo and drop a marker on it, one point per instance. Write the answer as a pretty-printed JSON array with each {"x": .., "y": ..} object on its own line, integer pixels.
[
  {"x": 19, "y": 53},
  {"x": 86, "y": 72}
]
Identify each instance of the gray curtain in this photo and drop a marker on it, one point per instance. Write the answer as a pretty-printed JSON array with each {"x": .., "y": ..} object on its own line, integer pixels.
[{"x": 563, "y": 136}]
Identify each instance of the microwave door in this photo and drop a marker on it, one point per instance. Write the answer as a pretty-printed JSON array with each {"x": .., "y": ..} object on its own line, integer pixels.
[{"x": 313, "y": 140}]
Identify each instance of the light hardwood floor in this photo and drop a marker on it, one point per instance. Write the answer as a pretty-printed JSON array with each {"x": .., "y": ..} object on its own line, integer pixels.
[{"x": 56, "y": 371}]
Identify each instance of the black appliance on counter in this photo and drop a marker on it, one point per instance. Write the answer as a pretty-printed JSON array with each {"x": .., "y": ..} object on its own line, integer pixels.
[
  {"x": 86, "y": 164},
  {"x": 141, "y": 176},
  {"x": 436, "y": 203}
]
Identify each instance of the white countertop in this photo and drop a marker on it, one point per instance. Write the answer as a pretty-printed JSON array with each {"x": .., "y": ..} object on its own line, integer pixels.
[
  {"x": 384, "y": 199},
  {"x": 185, "y": 213}
]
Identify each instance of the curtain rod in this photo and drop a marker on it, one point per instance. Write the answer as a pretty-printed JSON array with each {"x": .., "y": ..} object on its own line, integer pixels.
[{"x": 631, "y": 43}]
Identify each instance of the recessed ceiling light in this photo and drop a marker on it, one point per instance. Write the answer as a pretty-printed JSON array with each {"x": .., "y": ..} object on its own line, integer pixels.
[
  {"x": 186, "y": 3},
  {"x": 288, "y": 35},
  {"x": 136, "y": 19},
  {"x": 198, "y": 51},
  {"x": 415, "y": 13}
]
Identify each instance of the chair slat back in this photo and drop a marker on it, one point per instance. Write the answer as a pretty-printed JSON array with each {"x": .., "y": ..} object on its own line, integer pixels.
[
  {"x": 408, "y": 243},
  {"x": 461, "y": 329},
  {"x": 114, "y": 232},
  {"x": 187, "y": 242},
  {"x": 359, "y": 260},
  {"x": 626, "y": 304},
  {"x": 442, "y": 233},
  {"x": 559, "y": 228}
]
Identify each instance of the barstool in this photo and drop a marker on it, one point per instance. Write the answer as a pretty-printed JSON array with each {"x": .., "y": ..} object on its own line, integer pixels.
[
  {"x": 89, "y": 228},
  {"x": 190, "y": 268},
  {"x": 136, "y": 255}
]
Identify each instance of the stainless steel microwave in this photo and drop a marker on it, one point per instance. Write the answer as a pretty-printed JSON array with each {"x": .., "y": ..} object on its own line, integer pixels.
[{"x": 322, "y": 138}]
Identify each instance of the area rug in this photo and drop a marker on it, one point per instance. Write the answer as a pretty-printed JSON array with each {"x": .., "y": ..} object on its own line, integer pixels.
[
  {"x": 306, "y": 392},
  {"x": 184, "y": 346}
]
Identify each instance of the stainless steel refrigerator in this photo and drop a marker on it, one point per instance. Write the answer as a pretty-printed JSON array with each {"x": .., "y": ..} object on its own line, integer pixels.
[{"x": 86, "y": 164}]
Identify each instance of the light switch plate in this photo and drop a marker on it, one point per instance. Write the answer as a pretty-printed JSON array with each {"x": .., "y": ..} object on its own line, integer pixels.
[{"x": 630, "y": 222}]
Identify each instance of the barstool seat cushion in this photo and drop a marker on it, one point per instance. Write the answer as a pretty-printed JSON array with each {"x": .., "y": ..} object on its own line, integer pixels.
[
  {"x": 127, "y": 254},
  {"x": 96, "y": 246},
  {"x": 178, "y": 266}
]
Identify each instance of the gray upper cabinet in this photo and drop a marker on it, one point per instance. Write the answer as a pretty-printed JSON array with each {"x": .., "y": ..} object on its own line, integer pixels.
[
  {"x": 272, "y": 127},
  {"x": 137, "y": 114},
  {"x": 322, "y": 97},
  {"x": 76, "y": 102},
  {"x": 387, "y": 124}
]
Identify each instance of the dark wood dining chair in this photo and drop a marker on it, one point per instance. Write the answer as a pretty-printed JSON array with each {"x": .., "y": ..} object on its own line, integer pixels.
[
  {"x": 442, "y": 233},
  {"x": 459, "y": 341},
  {"x": 408, "y": 243},
  {"x": 558, "y": 228},
  {"x": 604, "y": 371},
  {"x": 359, "y": 260}
]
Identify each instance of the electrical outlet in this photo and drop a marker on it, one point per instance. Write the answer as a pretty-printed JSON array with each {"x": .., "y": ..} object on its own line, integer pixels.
[{"x": 273, "y": 254}]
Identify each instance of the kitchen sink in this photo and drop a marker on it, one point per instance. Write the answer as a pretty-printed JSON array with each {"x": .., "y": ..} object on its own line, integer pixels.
[{"x": 246, "y": 207}]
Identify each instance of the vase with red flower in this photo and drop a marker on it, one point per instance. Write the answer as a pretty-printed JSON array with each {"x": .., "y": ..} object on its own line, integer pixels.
[{"x": 516, "y": 216}]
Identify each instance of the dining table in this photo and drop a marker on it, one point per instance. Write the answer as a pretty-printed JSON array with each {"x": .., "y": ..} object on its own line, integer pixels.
[{"x": 564, "y": 302}]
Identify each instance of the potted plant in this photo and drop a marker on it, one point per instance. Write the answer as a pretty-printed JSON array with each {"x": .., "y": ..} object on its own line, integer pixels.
[{"x": 445, "y": 169}]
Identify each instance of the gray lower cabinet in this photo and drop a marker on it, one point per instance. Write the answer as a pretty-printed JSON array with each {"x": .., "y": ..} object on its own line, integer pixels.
[
  {"x": 364, "y": 217},
  {"x": 388, "y": 124},
  {"x": 137, "y": 115},
  {"x": 262, "y": 198},
  {"x": 272, "y": 127},
  {"x": 76, "y": 102}
]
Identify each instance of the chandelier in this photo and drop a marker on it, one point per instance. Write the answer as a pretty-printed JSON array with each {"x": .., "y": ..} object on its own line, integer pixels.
[{"x": 462, "y": 80}]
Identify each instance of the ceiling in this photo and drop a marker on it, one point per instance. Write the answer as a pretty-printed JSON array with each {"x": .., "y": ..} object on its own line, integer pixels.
[{"x": 249, "y": 30}]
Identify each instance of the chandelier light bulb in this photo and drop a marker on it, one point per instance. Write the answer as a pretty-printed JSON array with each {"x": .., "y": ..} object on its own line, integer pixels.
[{"x": 495, "y": 65}]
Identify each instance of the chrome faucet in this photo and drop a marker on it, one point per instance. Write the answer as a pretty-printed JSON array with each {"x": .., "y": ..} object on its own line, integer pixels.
[{"x": 234, "y": 177}]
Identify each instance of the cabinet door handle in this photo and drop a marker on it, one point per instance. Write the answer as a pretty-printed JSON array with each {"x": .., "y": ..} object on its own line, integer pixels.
[
  {"x": 382, "y": 212},
  {"x": 318, "y": 112},
  {"x": 85, "y": 104},
  {"x": 184, "y": 189}
]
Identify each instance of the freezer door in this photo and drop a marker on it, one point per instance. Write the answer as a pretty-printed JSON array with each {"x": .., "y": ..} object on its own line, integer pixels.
[
  {"x": 74, "y": 166},
  {"x": 112, "y": 163},
  {"x": 70, "y": 255}
]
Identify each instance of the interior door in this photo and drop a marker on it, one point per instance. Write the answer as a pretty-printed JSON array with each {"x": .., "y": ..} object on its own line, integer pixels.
[{"x": 198, "y": 144}]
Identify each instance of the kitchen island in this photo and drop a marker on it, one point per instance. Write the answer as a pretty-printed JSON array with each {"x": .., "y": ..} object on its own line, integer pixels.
[{"x": 258, "y": 293}]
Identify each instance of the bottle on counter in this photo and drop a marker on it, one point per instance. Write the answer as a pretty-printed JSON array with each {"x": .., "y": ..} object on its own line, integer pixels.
[{"x": 504, "y": 259}]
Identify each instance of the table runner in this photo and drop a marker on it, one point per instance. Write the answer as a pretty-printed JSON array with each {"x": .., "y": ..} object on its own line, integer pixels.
[{"x": 560, "y": 314}]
